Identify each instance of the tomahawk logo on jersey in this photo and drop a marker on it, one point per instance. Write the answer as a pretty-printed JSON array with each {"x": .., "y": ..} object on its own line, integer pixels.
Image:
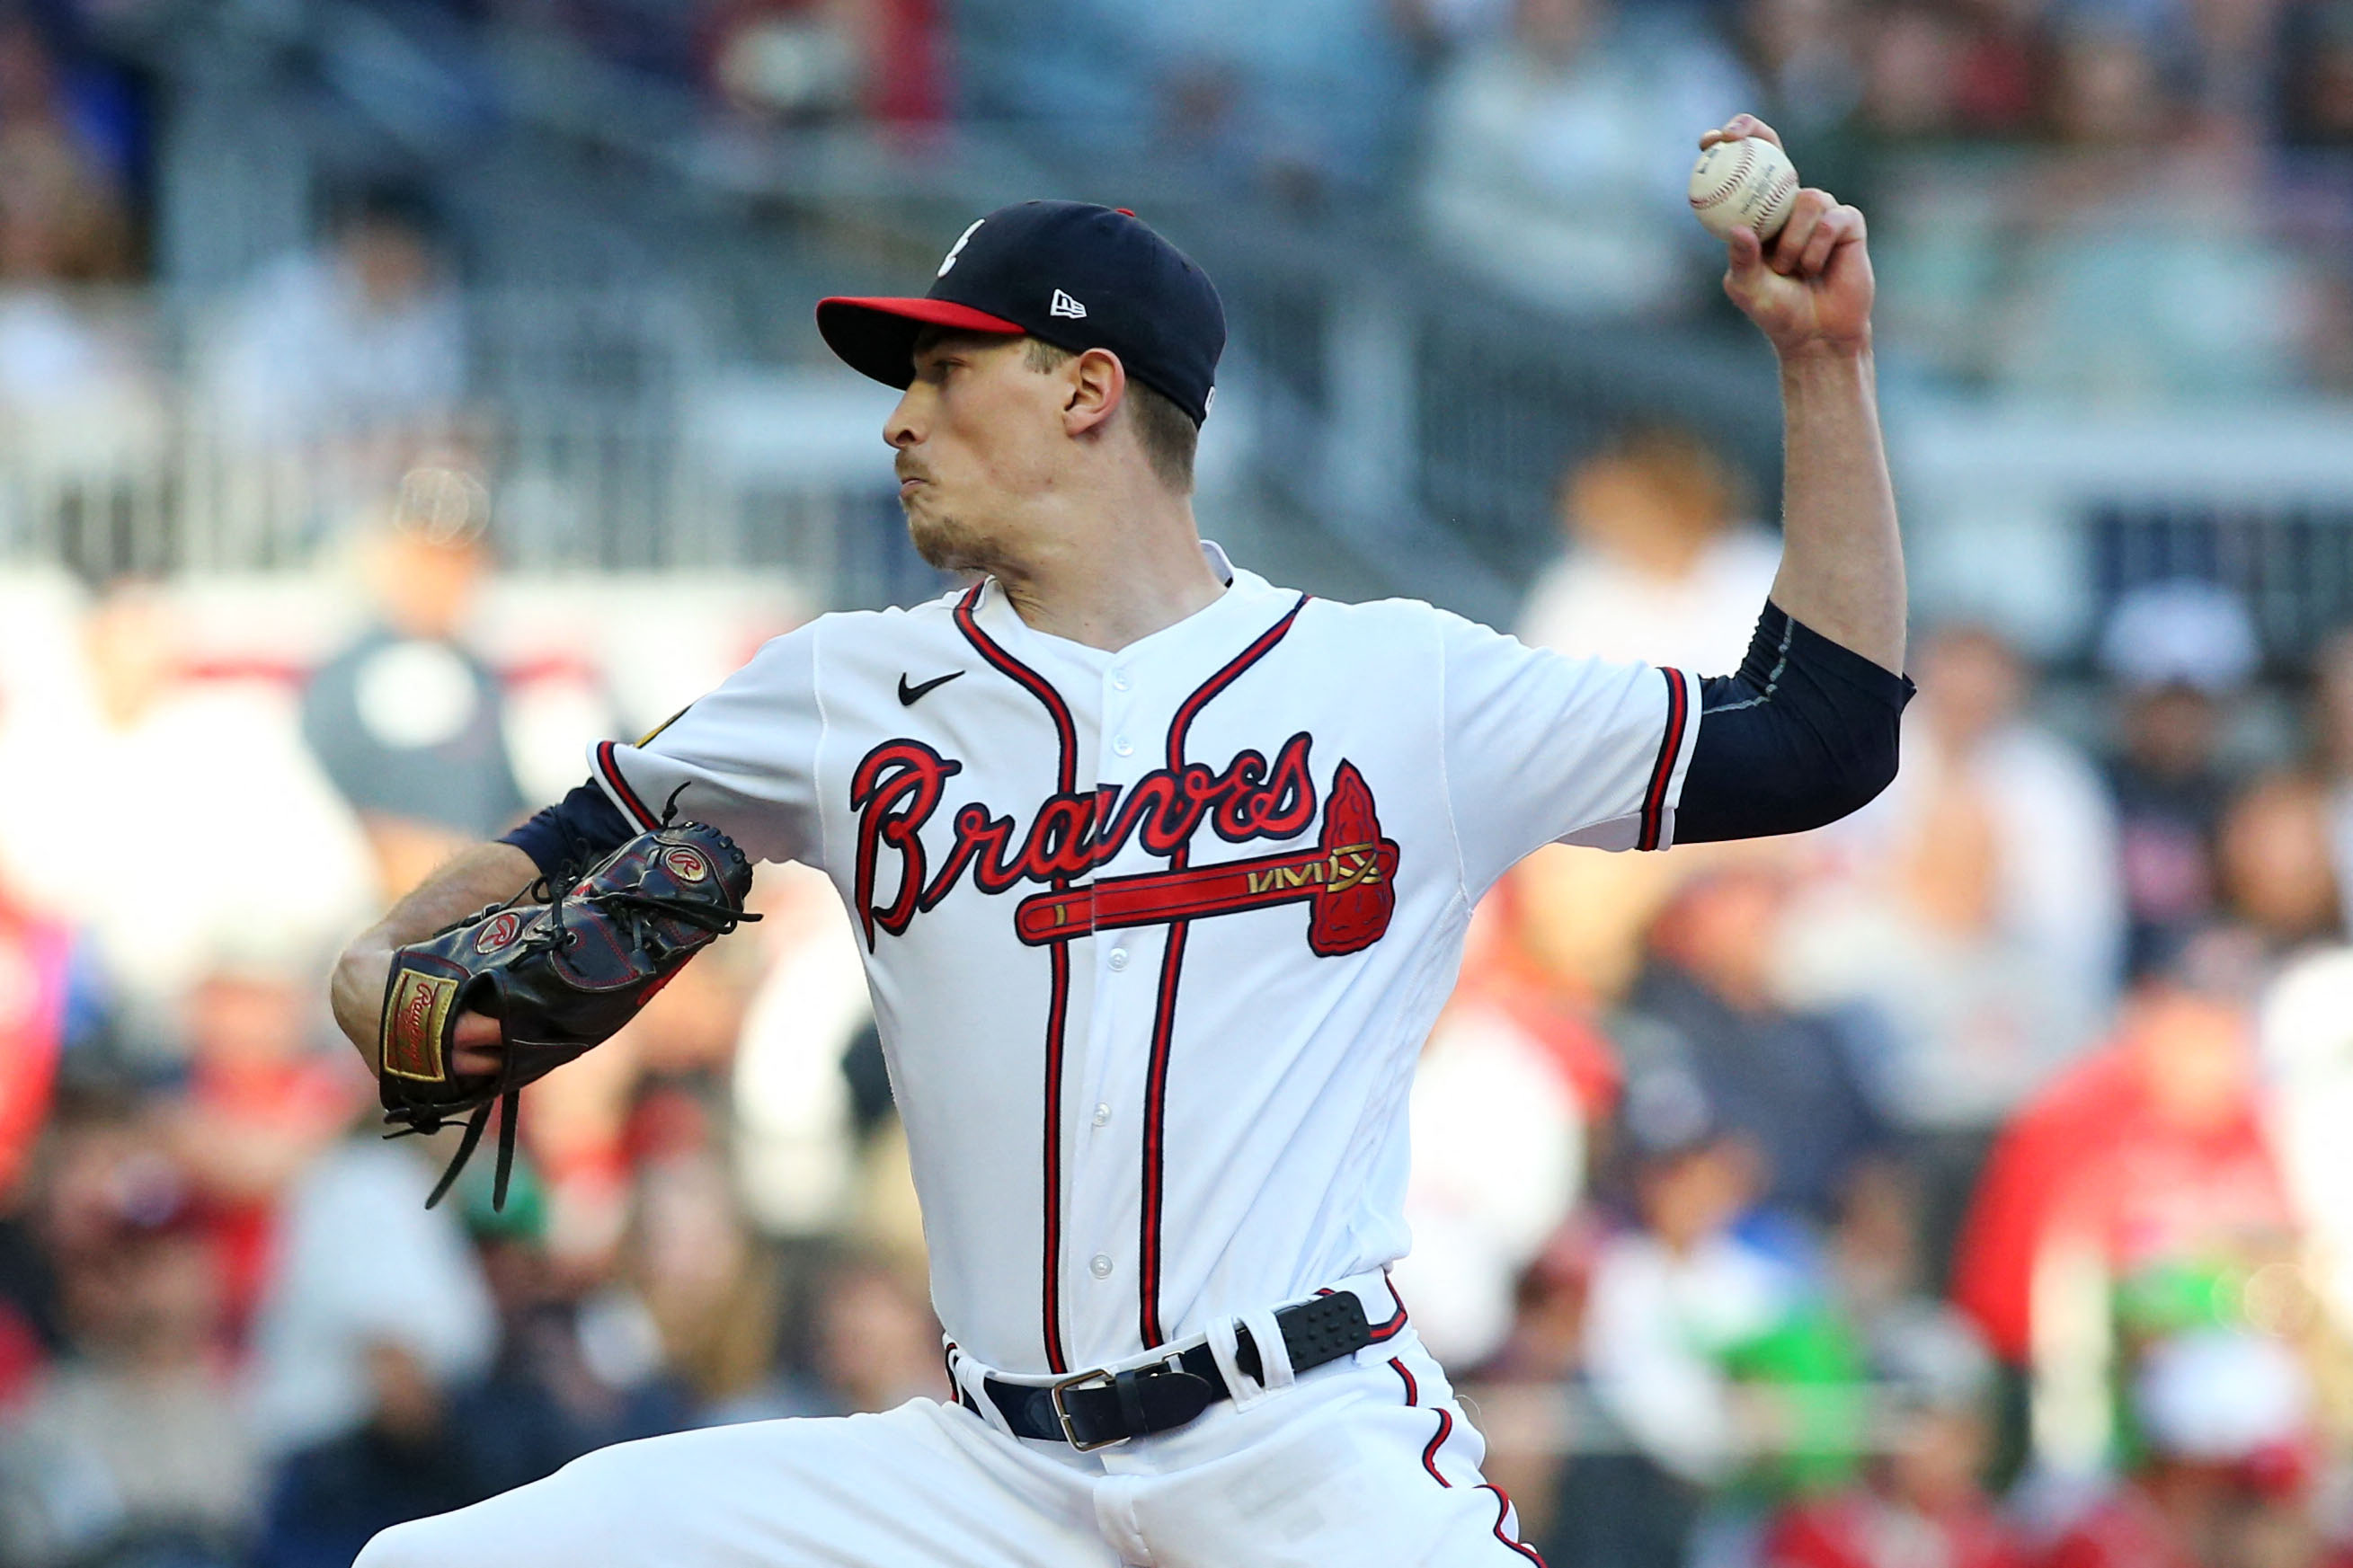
[{"x": 1106, "y": 899}]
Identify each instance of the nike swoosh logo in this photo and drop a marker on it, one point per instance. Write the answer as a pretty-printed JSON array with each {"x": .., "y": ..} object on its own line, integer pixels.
[{"x": 911, "y": 695}]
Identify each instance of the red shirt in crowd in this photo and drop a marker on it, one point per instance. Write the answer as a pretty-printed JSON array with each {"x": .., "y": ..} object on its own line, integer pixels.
[
  {"x": 2100, "y": 1155},
  {"x": 2126, "y": 1531},
  {"x": 34, "y": 958},
  {"x": 1856, "y": 1530}
]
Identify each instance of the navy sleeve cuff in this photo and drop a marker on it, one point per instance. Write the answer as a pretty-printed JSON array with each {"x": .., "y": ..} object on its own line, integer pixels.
[{"x": 574, "y": 834}]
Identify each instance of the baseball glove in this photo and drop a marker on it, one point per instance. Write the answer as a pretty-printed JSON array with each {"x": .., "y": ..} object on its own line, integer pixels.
[{"x": 561, "y": 970}]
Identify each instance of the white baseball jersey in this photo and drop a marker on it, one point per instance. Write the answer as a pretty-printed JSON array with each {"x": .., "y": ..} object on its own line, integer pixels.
[{"x": 1155, "y": 936}]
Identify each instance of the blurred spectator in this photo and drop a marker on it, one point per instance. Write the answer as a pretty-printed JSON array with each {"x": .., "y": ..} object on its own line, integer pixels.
[
  {"x": 360, "y": 341},
  {"x": 264, "y": 1098},
  {"x": 2110, "y": 87},
  {"x": 783, "y": 61},
  {"x": 1707, "y": 1006},
  {"x": 2135, "y": 216},
  {"x": 2237, "y": 75},
  {"x": 77, "y": 403},
  {"x": 1301, "y": 98},
  {"x": 878, "y": 1344},
  {"x": 2307, "y": 1052},
  {"x": 77, "y": 397},
  {"x": 2332, "y": 733},
  {"x": 2274, "y": 860},
  {"x": 795, "y": 1128},
  {"x": 2319, "y": 56},
  {"x": 1804, "y": 53},
  {"x": 1300, "y": 102},
  {"x": 2150, "y": 1157},
  {"x": 124, "y": 718},
  {"x": 405, "y": 1462},
  {"x": 2226, "y": 1418},
  {"x": 576, "y": 1368},
  {"x": 1559, "y": 156},
  {"x": 1920, "y": 1503},
  {"x": 1704, "y": 1349},
  {"x": 408, "y": 721},
  {"x": 1510, "y": 1076},
  {"x": 136, "y": 1438},
  {"x": 36, "y": 958},
  {"x": 1914, "y": 72},
  {"x": 800, "y": 61},
  {"x": 363, "y": 1263},
  {"x": 62, "y": 210},
  {"x": 641, "y": 1108},
  {"x": 1660, "y": 563},
  {"x": 37, "y": 1022},
  {"x": 579, "y": 1359},
  {"x": 2179, "y": 653},
  {"x": 1999, "y": 94},
  {"x": 1973, "y": 907},
  {"x": 711, "y": 1291},
  {"x": 1808, "y": 58}
]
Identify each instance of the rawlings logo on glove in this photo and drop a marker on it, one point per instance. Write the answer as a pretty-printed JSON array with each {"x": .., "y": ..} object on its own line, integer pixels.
[{"x": 562, "y": 975}]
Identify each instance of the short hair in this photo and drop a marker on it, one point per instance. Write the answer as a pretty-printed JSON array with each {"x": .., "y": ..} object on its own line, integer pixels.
[
  {"x": 1678, "y": 462},
  {"x": 397, "y": 203},
  {"x": 1166, "y": 432}
]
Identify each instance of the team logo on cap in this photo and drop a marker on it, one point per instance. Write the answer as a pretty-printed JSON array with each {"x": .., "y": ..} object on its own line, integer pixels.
[
  {"x": 1064, "y": 305},
  {"x": 957, "y": 248}
]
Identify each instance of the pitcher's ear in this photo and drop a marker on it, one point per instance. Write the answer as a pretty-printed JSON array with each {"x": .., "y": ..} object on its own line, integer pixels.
[{"x": 1098, "y": 386}]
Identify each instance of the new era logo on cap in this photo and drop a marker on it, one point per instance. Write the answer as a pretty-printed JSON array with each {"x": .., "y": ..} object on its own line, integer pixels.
[{"x": 1074, "y": 275}]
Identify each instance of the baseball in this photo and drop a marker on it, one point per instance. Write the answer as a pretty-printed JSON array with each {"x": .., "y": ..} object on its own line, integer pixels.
[{"x": 1747, "y": 181}]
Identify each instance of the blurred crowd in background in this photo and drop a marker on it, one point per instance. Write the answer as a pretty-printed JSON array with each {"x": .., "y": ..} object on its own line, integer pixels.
[{"x": 1963, "y": 1186}]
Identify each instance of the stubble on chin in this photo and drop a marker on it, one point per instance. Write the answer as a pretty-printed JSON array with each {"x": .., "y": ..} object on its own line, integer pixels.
[{"x": 946, "y": 543}]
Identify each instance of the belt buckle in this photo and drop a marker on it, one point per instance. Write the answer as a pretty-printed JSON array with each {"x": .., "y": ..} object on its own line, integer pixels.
[{"x": 1062, "y": 1413}]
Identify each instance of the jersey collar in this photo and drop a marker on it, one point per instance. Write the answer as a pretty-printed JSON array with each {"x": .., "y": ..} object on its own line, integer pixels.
[{"x": 1240, "y": 610}]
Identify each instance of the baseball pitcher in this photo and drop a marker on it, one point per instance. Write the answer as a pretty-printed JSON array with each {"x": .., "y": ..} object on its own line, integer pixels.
[{"x": 1161, "y": 873}]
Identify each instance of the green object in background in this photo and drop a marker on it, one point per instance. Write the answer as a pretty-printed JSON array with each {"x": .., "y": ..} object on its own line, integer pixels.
[
  {"x": 2174, "y": 1296},
  {"x": 525, "y": 1216},
  {"x": 1809, "y": 1364},
  {"x": 2157, "y": 1303}
]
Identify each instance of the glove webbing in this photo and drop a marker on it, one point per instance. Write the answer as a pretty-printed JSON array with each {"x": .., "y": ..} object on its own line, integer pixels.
[{"x": 509, "y": 1103}]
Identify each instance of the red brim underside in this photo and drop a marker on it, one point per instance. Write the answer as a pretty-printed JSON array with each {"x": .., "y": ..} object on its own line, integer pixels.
[{"x": 877, "y": 337}]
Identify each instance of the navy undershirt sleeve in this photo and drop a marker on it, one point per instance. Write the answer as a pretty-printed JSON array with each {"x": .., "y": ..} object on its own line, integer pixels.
[
  {"x": 1806, "y": 732},
  {"x": 575, "y": 832}
]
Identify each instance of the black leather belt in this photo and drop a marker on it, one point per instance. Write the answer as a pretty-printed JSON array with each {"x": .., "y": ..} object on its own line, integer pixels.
[{"x": 1097, "y": 1409}]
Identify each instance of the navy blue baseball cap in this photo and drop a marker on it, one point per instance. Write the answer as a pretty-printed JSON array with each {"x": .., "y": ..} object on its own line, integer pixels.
[{"x": 1077, "y": 275}]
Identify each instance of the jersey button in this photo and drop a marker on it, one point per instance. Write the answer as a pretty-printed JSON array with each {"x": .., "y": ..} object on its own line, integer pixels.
[
  {"x": 1119, "y": 958},
  {"x": 1123, "y": 747},
  {"x": 1102, "y": 1115},
  {"x": 1119, "y": 681},
  {"x": 1101, "y": 1266}
]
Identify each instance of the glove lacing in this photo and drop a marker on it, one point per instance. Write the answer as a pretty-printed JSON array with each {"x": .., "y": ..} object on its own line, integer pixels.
[{"x": 554, "y": 936}]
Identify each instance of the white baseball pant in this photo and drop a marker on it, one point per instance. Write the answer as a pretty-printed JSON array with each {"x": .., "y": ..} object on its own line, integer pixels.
[{"x": 1367, "y": 1459}]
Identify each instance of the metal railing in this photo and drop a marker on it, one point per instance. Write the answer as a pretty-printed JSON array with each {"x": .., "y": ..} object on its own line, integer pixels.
[
  {"x": 2040, "y": 518},
  {"x": 597, "y": 419}
]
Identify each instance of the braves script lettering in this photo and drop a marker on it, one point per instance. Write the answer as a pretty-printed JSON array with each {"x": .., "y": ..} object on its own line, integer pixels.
[{"x": 899, "y": 787}]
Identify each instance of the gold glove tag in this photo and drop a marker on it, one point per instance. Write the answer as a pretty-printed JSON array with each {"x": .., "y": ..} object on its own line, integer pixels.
[{"x": 413, "y": 1014}]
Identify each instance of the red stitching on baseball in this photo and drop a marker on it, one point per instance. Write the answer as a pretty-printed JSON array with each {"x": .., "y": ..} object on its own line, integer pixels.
[{"x": 1732, "y": 181}]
